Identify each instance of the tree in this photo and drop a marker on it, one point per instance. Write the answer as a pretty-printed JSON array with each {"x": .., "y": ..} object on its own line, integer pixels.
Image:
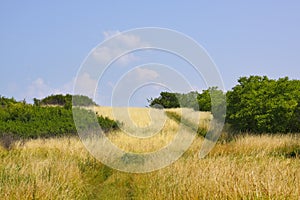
[
  {"x": 260, "y": 104},
  {"x": 81, "y": 100},
  {"x": 213, "y": 100},
  {"x": 188, "y": 100},
  {"x": 36, "y": 102},
  {"x": 65, "y": 100},
  {"x": 7, "y": 101},
  {"x": 204, "y": 101},
  {"x": 165, "y": 100}
]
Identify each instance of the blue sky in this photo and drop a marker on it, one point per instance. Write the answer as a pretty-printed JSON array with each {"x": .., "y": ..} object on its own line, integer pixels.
[{"x": 43, "y": 44}]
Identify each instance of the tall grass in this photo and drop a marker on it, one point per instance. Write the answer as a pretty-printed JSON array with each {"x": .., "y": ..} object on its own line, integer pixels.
[{"x": 247, "y": 167}]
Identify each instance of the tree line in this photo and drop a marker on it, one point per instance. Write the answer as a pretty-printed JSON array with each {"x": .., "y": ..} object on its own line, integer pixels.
[
  {"x": 256, "y": 104},
  {"x": 64, "y": 100}
]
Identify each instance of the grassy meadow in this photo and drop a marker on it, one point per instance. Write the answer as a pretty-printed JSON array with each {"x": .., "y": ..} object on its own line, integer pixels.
[{"x": 239, "y": 167}]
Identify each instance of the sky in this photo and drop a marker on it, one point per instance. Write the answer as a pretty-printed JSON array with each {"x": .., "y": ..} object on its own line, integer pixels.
[{"x": 43, "y": 44}]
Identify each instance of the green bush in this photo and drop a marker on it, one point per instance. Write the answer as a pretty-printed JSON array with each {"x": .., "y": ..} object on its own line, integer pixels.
[
  {"x": 165, "y": 100},
  {"x": 6, "y": 101},
  {"x": 175, "y": 100},
  {"x": 212, "y": 99},
  {"x": 65, "y": 100},
  {"x": 28, "y": 121},
  {"x": 258, "y": 104},
  {"x": 107, "y": 124}
]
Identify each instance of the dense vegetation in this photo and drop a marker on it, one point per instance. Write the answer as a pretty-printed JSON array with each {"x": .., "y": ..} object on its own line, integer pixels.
[
  {"x": 31, "y": 121},
  {"x": 65, "y": 100},
  {"x": 166, "y": 100},
  {"x": 6, "y": 101},
  {"x": 197, "y": 101},
  {"x": 257, "y": 104},
  {"x": 194, "y": 99}
]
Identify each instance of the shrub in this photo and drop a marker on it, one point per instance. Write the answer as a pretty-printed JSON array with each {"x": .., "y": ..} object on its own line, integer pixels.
[
  {"x": 28, "y": 121},
  {"x": 65, "y": 100},
  {"x": 165, "y": 100},
  {"x": 259, "y": 104},
  {"x": 107, "y": 124}
]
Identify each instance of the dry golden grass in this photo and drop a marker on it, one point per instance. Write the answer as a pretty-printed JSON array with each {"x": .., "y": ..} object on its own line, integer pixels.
[
  {"x": 248, "y": 167},
  {"x": 42, "y": 169},
  {"x": 243, "y": 169}
]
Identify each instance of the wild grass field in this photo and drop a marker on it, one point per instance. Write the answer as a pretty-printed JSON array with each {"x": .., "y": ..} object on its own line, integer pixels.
[{"x": 239, "y": 167}]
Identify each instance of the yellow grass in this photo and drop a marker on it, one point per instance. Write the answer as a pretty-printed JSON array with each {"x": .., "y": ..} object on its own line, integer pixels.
[
  {"x": 249, "y": 167},
  {"x": 42, "y": 169}
]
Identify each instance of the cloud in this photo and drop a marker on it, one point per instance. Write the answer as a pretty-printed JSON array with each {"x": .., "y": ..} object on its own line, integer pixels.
[
  {"x": 109, "y": 34},
  {"x": 136, "y": 77},
  {"x": 104, "y": 55},
  {"x": 143, "y": 74},
  {"x": 85, "y": 85},
  {"x": 116, "y": 47},
  {"x": 40, "y": 89},
  {"x": 124, "y": 39}
]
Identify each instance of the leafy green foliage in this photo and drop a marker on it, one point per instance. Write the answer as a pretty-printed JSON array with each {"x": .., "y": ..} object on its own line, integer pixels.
[
  {"x": 257, "y": 104},
  {"x": 189, "y": 100},
  {"x": 6, "y": 101},
  {"x": 175, "y": 100},
  {"x": 57, "y": 99},
  {"x": 65, "y": 100},
  {"x": 201, "y": 102},
  {"x": 31, "y": 121},
  {"x": 165, "y": 100},
  {"x": 108, "y": 124},
  {"x": 81, "y": 100},
  {"x": 260, "y": 104},
  {"x": 213, "y": 100},
  {"x": 204, "y": 100}
]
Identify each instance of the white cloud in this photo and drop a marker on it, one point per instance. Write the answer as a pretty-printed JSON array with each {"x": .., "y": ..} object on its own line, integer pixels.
[
  {"x": 124, "y": 39},
  {"x": 105, "y": 54},
  {"x": 137, "y": 77},
  {"x": 85, "y": 85},
  {"x": 116, "y": 47},
  {"x": 144, "y": 74},
  {"x": 40, "y": 89},
  {"x": 109, "y": 34}
]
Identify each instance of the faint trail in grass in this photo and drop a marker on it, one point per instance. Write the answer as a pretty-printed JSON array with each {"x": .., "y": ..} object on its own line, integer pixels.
[
  {"x": 94, "y": 175},
  {"x": 187, "y": 123}
]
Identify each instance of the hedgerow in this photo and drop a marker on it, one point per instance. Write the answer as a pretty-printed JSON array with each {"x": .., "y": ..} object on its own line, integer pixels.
[{"x": 32, "y": 121}]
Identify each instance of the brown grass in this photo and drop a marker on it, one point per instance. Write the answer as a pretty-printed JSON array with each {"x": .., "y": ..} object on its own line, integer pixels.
[{"x": 248, "y": 167}]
